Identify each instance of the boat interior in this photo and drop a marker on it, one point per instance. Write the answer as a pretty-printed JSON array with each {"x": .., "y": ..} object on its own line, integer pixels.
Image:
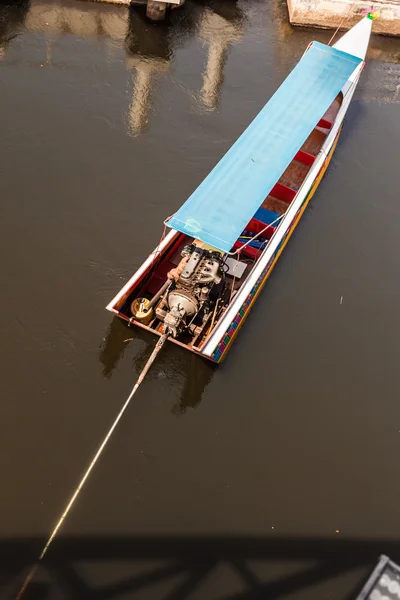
[{"x": 266, "y": 218}]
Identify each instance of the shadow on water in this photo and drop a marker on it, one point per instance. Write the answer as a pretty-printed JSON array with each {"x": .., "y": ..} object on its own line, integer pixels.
[
  {"x": 191, "y": 374},
  {"x": 173, "y": 568},
  {"x": 12, "y": 18},
  {"x": 197, "y": 377},
  {"x": 355, "y": 114},
  {"x": 144, "y": 39},
  {"x": 114, "y": 346}
]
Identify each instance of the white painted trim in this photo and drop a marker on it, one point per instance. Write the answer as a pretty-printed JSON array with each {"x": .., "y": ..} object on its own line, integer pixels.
[{"x": 147, "y": 263}]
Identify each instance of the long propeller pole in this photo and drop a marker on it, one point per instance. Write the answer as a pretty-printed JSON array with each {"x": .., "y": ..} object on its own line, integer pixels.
[{"x": 96, "y": 457}]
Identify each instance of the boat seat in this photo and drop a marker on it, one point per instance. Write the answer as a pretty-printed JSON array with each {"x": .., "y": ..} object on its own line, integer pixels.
[
  {"x": 283, "y": 192},
  {"x": 266, "y": 216},
  {"x": 305, "y": 158},
  {"x": 325, "y": 124}
]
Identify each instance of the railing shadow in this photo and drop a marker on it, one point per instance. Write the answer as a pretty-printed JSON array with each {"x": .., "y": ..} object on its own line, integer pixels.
[{"x": 185, "y": 563}]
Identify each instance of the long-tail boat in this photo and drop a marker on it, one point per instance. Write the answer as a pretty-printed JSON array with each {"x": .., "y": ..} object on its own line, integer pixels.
[{"x": 198, "y": 286}]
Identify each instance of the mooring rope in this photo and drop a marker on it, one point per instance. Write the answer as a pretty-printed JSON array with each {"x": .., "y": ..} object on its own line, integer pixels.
[
  {"x": 75, "y": 495},
  {"x": 346, "y": 16}
]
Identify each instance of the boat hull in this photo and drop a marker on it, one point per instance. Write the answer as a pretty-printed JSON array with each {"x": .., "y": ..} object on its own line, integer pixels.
[{"x": 288, "y": 199}]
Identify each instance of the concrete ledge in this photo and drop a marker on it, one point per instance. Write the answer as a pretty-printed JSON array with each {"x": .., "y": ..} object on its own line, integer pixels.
[{"x": 328, "y": 14}]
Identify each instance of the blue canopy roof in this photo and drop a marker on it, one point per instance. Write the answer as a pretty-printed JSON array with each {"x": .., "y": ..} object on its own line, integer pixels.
[{"x": 225, "y": 201}]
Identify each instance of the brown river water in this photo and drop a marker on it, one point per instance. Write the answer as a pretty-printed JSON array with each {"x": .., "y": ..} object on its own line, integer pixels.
[{"x": 274, "y": 475}]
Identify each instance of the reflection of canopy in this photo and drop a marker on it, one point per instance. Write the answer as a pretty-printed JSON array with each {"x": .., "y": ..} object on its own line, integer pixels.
[{"x": 223, "y": 204}]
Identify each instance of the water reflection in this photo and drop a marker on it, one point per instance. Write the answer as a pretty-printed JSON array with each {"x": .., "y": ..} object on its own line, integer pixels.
[
  {"x": 149, "y": 48},
  {"x": 114, "y": 346},
  {"x": 12, "y": 19},
  {"x": 149, "y": 53},
  {"x": 81, "y": 19},
  {"x": 197, "y": 377},
  {"x": 187, "y": 373},
  {"x": 221, "y": 25}
]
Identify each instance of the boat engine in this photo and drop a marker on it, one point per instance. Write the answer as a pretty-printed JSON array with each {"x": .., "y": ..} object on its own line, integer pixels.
[{"x": 194, "y": 288}]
